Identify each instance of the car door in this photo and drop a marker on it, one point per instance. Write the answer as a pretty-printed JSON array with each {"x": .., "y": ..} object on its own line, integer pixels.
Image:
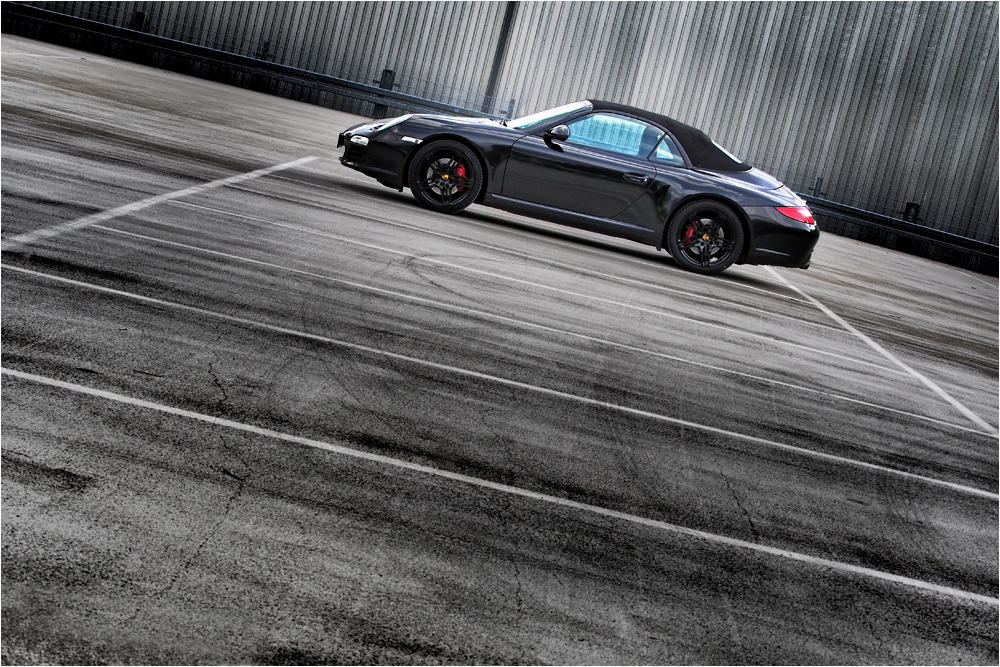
[{"x": 600, "y": 170}]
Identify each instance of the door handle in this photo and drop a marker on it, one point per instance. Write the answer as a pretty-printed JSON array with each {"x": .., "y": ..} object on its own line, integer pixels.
[{"x": 636, "y": 178}]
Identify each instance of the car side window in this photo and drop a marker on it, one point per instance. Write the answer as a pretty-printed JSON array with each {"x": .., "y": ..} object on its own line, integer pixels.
[
  {"x": 666, "y": 153},
  {"x": 611, "y": 132}
]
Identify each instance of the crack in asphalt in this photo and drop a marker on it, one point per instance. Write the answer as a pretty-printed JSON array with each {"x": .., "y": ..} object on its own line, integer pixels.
[
  {"x": 8, "y": 451},
  {"x": 215, "y": 379},
  {"x": 736, "y": 499},
  {"x": 242, "y": 483},
  {"x": 211, "y": 533}
]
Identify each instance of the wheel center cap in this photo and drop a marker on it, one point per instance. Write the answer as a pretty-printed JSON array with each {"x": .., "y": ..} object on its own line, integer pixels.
[
  {"x": 444, "y": 176},
  {"x": 707, "y": 237}
]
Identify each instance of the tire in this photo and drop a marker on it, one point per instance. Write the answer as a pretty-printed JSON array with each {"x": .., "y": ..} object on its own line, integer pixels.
[
  {"x": 705, "y": 237},
  {"x": 445, "y": 176}
]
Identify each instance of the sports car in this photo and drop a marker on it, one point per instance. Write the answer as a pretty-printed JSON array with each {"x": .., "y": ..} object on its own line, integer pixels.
[{"x": 598, "y": 166}]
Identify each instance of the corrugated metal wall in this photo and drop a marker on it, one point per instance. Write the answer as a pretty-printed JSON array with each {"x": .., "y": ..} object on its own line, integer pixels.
[
  {"x": 440, "y": 50},
  {"x": 886, "y": 102}
]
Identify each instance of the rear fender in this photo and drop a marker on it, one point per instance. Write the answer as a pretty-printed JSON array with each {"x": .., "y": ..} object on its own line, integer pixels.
[{"x": 730, "y": 204}]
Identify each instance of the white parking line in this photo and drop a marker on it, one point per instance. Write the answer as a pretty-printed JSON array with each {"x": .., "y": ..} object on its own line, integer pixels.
[
  {"x": 891, "y": 357},
  {"x": 538, "y": 389},
  {"x": 979, "y": 280},
  {"x": 103, "y": 216},
  {"x": 544, "y": 260},
  {"x": 530, "y": 325},
  {"x": 25, "y": 54},
  {"x": 508, "y": 489},
  {"x": 459, "y": 267}
]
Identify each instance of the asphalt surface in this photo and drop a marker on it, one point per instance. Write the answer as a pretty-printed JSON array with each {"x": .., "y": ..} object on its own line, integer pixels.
[{"x": 258, "y": 408}]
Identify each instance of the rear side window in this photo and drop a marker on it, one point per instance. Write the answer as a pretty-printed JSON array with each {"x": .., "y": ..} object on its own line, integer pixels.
[
  {"x": 666, "y": 153},
  {"x": 611, "y": 132}
]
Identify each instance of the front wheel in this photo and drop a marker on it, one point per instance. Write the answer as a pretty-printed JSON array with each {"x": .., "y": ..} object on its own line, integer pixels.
[
  {"x": 445, "y": 176},
  {"x": 705, "y": 237}
]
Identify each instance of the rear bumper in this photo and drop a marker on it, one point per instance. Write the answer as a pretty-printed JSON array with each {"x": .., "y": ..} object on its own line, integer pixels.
[{"x": 778, "y": 240}]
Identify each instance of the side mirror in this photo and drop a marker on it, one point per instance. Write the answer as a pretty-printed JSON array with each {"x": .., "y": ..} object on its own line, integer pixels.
[{"x": 558, "y": 133}]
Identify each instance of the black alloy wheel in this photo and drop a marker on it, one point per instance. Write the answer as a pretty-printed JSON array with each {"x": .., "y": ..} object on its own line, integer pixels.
[
  {"x": 705, "y": 237},
  {"x": 445, "y": 176}
]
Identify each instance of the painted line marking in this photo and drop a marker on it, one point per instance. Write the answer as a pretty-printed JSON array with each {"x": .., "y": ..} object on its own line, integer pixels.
[
  {"x": 532, "y": 325},
  {"x": 25, "y": 54},
  {"x": 103, "y": 216},
  {"x": 979, "y": 280},
  {"x": 506, "y": 488},
  {"x": 459, "y": 267},
  {"x": 891, "y": 357},
  {"x": 544, "y": 390},
  {"x": 542, "y": 260},
  {"x": 539, "y": 225}
]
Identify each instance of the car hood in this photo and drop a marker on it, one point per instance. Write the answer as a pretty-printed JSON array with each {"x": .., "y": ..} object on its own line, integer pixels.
[
  {"x": 458, "y": 120},
  {"x": 375, "y": 126}
]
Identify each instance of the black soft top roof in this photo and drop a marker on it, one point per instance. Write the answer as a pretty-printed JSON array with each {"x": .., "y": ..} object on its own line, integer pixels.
[{"x": 699, "y": 148}]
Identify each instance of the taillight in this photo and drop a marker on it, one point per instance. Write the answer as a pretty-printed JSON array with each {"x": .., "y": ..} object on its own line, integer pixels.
[{"x": 800, "y": 213}]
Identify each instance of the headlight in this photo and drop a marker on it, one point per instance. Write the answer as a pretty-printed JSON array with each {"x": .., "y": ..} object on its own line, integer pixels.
[{"x": 359, "y": 140}]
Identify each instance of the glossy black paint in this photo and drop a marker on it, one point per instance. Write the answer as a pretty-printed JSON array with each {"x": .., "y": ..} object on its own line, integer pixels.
[
  {"x": 574, "y": 178},
  {"x": 529, "y": 173}
]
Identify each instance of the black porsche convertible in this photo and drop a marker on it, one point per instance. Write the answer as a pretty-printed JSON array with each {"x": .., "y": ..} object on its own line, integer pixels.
[{"x": 599, "y": 166}]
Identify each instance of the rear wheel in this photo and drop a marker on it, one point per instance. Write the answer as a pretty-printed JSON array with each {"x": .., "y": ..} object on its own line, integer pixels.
[
  {"x": 445, "y": 176},
  {"x": 705, "y": 237}
]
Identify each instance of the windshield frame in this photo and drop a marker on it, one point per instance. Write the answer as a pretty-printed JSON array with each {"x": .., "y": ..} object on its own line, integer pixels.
[{"x": 531, "y": 121}]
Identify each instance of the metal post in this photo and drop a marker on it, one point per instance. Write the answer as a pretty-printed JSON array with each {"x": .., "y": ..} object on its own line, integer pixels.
[
  {"x": 505, "y": 28},
  {"x": 138, "y": 22},
  {"x": 818, "y": 188},
  {"x": 388, "y": 82}
]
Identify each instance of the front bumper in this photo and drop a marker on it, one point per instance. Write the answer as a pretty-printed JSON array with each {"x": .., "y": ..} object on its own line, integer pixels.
[{"x": 383, "y": 158}]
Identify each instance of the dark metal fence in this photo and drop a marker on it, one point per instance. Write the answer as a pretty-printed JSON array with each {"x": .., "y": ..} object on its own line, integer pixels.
[
  {"x": 253, "y": 72},
  {"x": 894, "y": 224},
  {"x": 903, "y": 236},
  {"x": 815, "y": 186},
  {"x": 222, "y": 37}
]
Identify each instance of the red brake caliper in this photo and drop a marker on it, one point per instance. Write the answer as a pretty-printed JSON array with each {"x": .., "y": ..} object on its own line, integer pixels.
[
  {"x": 460, "y": 172},
  {"x": 689, "y": 232}
]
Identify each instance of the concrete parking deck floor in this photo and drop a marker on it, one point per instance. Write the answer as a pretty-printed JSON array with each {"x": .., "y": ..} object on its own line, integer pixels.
[{"x": 260, "y": 409}]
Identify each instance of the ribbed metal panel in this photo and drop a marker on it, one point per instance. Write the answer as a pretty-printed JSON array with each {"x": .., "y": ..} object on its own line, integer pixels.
[
  {"x": 440, "y": 50},
  {"x": 886, "y": 102}
]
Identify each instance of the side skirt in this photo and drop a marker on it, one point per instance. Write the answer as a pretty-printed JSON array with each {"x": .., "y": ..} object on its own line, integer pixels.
[{"x": 590, "y": 223}]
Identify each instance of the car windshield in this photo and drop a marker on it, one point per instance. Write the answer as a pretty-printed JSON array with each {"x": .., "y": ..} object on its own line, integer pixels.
[{"x": 525, "y": 122}]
